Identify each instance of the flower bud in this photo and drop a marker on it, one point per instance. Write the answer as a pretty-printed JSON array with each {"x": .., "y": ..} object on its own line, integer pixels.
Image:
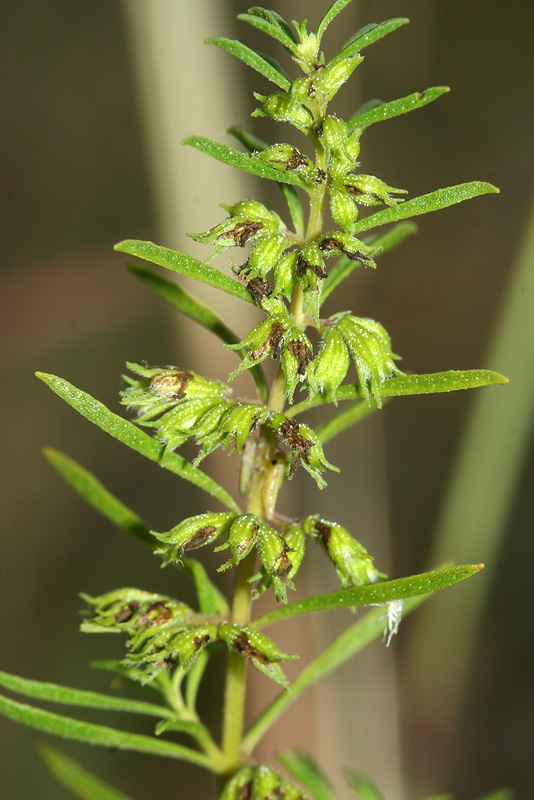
[
  {"x": 264, "y": 256},
  {"x": 233, "y": 232},
  {"x": 353, "y": 564},
  {"x": 192, "y": 533},
  {"x": 370, "y": 191},
  {"x": 343, "y": 209},
  {"x": 311, "y": 274},
  {"x": 275, "y": 559},
  {"x": 180, "y": 423},
  {"x": 329, "y": 80},
  {"x": 283, "y": 108},
  {"x": 296, "y": 354},
  {"x": 238, "y": 787},
  {"x": 235, "y": 426},
  {"x": 185, "y": 646},
  {"x": 286, "y": 158},
  {"x": 241, "y": 539},
  {"x": 305, "y": 447},
  {"x": 262, "y": 341},
  {"x": 253, "y": 209},
  {"x": 370, "y": 347},
  {"x": 265, "y": 783},
  {"x": 335, "y": 139},
  {"x": 285, "y": 274},
  {"x": 131, "y": 610},
  {"x": 257, "y": 648},
  {"x": 330, "y": 366},
  {"x": 337, "y": 243},
  {"x": 161, "y": 389}
]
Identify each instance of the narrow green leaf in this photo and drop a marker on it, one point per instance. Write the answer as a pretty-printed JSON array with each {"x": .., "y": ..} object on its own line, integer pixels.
[
  {"x": 373, "y": 593},
  {"x": 79, "y": 697},
  {"x": 433, "y": 383},
  {"x": 295, "y": 208},
  {"x": 244, "y": 161},
  {"x": 249, "y": 140},
  {"x": 441, "y": 198},
  {"x": 364, "y": 788},
  {"x": 304, "y": 769},
  {"x": 192, "y": 728},
  {"x": 194, "y": 678},
  {"x": 387, "y": 241},
  {"x": 183, "y": 265},
  {"x": 368, "y": 35},
  {"x": 187, "y": 304},
  {"x": 296, "y": 211},
  {"x": 95, "y": 493},
  {"x": 275, "y": 19},
  {"x": 396, "y": 107},
  {"x": 252, "y": 59},
  {"x": 338, "y": 423},
  {"x": 329, "y": 15},
  {"x": 350, "y": 642},
  {"x": 269, "y": 28},
  {"x": 211, "y": 601},
  {"x": 87, "y": 732},
  {"x": 132, "y": 436},
  {"x": 77, "y": 779}
]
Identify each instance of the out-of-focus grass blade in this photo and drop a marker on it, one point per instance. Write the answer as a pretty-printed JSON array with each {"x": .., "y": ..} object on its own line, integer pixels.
[
  {"x": 95, "y": 493},
  {"x": 305, "y": 770},
  {"x": 77, "y": 779}
]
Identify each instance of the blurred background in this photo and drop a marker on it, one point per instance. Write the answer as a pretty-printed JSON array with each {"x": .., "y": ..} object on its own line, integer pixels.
[{"x": 96, "y": 97}]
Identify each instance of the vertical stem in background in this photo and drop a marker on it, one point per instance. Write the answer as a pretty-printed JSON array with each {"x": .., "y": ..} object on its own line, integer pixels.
[{"x": 472, "y": 523}]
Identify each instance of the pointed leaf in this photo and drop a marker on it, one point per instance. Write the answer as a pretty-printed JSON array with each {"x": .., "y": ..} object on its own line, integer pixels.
[
  {"x": 441, "y": 198},
  {"x": 132, "y": 436},
  {"x": 211, "y": 601},
  {"x": 329, "y": 15},
  {"x": 363, "y": 787},
  {"x": 95, "y": 493},
  {"x": 73, "y": 776},
  {"x": 373, "y": 593},
  {"x": 55, "y": 693},
  {"x": 338, "y": 423},
  {"x": 183, "y": 265},
  {"x": 296, "y": 211},
  {"x": 252, "y": 59},
  {"x": 194, "y": 309},
  {"x": 269, "y": 28},
  {"x": 345, "y": 266},
  {"x": 368, "y": 35},
  {"x": 244, "y": 161},
  {"x": 295, "y": 208},
  {"x": 194, "y": 678},
  {"x": 192, "y": 728},
  {"x": 350, "y": 642},
  {"x": 304, "y": 769},
  {"x": 274, "y": 18},
  {"x": 396, "y": 107},
  {"x": 69, "y": 728}
]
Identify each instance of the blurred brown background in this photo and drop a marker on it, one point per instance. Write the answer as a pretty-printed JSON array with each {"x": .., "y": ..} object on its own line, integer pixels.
[{"x": 75, "y": 178}]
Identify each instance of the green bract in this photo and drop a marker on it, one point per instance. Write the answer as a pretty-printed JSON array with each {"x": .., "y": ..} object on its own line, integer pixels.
[{"x": 291, "y": 263}]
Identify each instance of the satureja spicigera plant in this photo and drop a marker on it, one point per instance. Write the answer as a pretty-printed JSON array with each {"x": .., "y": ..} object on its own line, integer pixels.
[{"x": 287, "y": 274}]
